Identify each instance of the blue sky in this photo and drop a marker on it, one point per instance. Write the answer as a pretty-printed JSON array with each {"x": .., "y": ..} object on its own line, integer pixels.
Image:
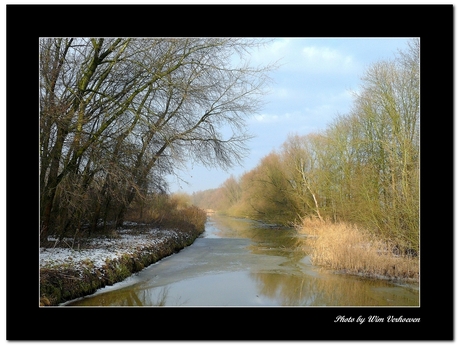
[{"x": 313, "y": 85}]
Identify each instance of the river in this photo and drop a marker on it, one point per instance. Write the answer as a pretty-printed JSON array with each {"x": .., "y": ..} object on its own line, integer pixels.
[{"x": 240, "y": 262}]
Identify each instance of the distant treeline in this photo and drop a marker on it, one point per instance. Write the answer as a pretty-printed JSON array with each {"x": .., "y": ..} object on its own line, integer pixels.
[{"x": 363, "y": 169}]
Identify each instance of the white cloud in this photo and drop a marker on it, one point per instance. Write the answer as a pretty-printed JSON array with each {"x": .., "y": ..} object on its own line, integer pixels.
[
  {"x": 322, "y": 59},
  {"x": 265, "y": 118},
  {"x": 272, "y": 53},
  {"x": 315, "y": 53},
  {"x": 278, "y": 46},
  {"x": 305, "y": 55}
]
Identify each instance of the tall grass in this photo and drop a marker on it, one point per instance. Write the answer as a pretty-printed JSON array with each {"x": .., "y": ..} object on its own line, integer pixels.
[{"x": 347, "y": 248}]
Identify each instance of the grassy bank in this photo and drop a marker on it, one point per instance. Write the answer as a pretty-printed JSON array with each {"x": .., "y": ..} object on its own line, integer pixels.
[{"x": 348, "y": 249}]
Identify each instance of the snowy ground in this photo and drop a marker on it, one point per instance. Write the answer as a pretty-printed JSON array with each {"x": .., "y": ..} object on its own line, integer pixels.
[{"x": 98, "y": 251}]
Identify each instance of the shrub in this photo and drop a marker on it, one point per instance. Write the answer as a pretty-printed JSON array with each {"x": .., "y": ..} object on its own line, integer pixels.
[{"x": 169, "y": 212}]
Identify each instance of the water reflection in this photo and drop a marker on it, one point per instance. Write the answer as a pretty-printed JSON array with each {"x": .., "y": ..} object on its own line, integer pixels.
[
  {"x": 300, "y": 285},
  {"x": 238, "y": 262},
  {"x": 331, "y": 290},
  {"x": 128, "y": 297}
]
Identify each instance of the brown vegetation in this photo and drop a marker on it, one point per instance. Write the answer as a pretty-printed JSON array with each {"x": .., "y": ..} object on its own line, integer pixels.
[
  {"x": 168, "y": 211},
  {"x": 349, "y": 249}
]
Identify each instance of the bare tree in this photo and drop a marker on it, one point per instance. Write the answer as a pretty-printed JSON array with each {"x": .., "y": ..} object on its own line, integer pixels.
[
  {"x": 388, "y": 116},
  {"x": 115, "y": 113}
]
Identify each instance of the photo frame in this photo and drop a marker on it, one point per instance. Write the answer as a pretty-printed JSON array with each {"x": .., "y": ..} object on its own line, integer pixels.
[{"x": 436, "y": 311}]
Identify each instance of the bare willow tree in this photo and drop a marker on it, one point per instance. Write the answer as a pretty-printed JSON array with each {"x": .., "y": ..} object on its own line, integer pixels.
[
  {"x": 301, "y": 161},
  {"x": 118, "y": 114},
  {"x": 388, "y": 112}
]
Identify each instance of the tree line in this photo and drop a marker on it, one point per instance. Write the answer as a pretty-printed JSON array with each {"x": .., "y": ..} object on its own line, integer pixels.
[
  {"x": 363, "y": 169},
  {"x": 117, "y": 115}
]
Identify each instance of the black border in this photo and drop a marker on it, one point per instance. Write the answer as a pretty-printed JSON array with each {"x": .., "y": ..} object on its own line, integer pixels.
[{"x": 26, "y": 23}]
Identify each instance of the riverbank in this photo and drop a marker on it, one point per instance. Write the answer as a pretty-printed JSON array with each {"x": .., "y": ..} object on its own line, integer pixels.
[
  {"x": 347, "y": 249},
  {"x": 71, "y": 271}
]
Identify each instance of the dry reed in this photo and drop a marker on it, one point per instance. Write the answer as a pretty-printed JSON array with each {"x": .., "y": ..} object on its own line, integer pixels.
[{"x": 346, "y": 248}]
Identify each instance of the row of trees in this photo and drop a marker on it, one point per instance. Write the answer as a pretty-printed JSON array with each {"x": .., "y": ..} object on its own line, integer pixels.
[
  {"x": 364, "y": 168},
  {"x": 119, "y": 114}
]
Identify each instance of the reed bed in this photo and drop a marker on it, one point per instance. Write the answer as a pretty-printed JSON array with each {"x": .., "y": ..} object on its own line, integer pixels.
[{"x": 346, "y": 248}]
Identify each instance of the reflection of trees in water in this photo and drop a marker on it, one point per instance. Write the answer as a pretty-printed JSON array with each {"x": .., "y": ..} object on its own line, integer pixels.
[
  {"x": 285, "y": 288},
  {"x": 331, "y": 290},
  {"x": 234, "y": 227},
  {"x": 151, "y": 297},
  {"x": 256, "y": 231},
  {"x": 162, "y": 297},
  {"x": 157, "y": 297},
  {"x": 131, "y": 297},
  {"x": 288, "y": 285},
  {"x": 299, "y": 289}
]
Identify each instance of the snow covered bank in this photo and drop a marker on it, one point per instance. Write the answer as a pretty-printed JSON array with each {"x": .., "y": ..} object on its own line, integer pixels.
[{"x": 67, "y": 273}]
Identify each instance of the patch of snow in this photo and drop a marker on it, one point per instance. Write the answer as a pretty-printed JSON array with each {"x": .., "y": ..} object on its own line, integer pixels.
[{"x": 102, "y": 249}]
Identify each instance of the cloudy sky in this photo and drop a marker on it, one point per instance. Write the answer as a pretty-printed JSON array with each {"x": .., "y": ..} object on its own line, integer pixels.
[{"x": 313, "y": 85}]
